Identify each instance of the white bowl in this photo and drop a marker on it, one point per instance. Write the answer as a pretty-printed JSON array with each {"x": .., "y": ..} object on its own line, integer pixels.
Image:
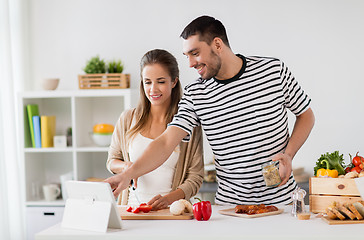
[
  {"x": 102, "y": 140},
  {"x": 50, "y": 83}
]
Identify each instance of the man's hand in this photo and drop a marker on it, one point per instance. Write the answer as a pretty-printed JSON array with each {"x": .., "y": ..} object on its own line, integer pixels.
[
  {"x": 158, "y": 202},
  {"x": 118, "y": 183},
  {"x": 285, "y": 166}
]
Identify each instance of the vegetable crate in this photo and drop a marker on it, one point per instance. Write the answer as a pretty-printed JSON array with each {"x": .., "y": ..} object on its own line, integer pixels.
[
  {"x": 104, "y": 81},
  {"x": 324, "y": 191}
]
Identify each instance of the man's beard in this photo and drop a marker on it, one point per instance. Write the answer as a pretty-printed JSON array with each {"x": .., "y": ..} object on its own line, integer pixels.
[{"x": 213, "y": 70}]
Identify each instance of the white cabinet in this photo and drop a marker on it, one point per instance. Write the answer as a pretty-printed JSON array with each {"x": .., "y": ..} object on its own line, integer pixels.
[
  {"x": 80, "y": 110},
  {"x": 39, "y": 218}
]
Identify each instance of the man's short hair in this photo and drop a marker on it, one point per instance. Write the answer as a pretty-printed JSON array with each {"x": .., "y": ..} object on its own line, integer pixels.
[{"x": 207, "y": 28}]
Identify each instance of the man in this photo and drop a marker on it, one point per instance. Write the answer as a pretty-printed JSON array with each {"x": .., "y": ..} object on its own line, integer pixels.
[{"x": 241, "y": 103}]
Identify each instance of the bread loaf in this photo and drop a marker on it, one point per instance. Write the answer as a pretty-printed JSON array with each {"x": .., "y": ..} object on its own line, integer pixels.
[{"x": 350, "y": 211}]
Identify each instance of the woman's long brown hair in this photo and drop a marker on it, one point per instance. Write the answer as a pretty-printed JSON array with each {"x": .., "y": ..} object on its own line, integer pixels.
[{"x": 142, "y": 112}]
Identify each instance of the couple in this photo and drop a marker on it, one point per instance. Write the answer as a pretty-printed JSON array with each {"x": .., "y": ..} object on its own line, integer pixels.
[{"x": 241, "y": 103}]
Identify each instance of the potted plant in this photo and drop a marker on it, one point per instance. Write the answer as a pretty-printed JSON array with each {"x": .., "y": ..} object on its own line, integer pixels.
[
  {"x": 97, "y": 78},
  {"x": 115, "y": 67},
  {"x": 95, "y": 65}
]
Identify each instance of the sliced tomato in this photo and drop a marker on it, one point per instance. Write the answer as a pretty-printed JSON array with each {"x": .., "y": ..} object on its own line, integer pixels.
[
  {"x": 136, "y": 210},
  {"x": 145, "y": 208},
  {"x": 129, "y": 209}
]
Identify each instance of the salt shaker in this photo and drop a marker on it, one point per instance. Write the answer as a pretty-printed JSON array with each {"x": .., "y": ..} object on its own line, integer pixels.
[{"x": 298, "y": 205}]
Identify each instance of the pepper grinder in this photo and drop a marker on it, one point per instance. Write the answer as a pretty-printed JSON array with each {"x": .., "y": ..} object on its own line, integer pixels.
[{"x": 298, "y": 205}]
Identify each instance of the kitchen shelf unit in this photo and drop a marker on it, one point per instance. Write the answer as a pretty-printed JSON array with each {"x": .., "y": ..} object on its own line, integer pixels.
[{"x": 81, "y": 110}]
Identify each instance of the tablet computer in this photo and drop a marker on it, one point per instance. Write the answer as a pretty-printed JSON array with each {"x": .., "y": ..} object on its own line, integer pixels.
[{"x": 90, "y": 205}]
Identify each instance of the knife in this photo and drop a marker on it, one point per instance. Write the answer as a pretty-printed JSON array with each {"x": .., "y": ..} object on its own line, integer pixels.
[{"x": 134, "y": 191}]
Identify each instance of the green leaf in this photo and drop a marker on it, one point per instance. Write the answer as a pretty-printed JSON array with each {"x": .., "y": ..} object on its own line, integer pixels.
[{"x": 95, "y": 65}]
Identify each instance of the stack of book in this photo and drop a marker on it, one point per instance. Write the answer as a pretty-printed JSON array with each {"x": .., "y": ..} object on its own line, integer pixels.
[{"x": 42, "y": 128}]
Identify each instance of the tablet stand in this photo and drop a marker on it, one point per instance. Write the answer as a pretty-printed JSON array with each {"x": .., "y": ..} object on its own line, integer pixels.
[{"x": 90, "y": 214}]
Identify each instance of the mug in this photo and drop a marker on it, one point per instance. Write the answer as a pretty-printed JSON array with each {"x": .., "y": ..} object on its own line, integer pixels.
[{"x": 51, "y": 192}]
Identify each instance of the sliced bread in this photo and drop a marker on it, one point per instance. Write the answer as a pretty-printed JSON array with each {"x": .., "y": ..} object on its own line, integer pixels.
[
  {"x": 352, "y": 208},
  {"x": 331, "y": 214},
  {"x": 336, "y": 212},
  {"x": 345, "y": 211},
  {"x": 359, "y": 205}
]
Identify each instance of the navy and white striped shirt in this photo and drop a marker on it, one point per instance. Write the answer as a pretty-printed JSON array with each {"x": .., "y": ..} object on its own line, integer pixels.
[{"x": 246, "y": 123}]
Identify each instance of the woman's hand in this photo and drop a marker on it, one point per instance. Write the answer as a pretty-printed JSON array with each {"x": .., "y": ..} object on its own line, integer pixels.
[
  {"x": 159, "y": 202},
  {"x": 285, "y": 166}
]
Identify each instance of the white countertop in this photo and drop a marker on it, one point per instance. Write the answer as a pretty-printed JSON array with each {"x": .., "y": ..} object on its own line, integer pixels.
[{"x": 282, "y": 226}]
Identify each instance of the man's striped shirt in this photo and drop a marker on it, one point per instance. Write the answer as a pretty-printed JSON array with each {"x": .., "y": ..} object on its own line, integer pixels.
[{"x": 246, "y": 123}]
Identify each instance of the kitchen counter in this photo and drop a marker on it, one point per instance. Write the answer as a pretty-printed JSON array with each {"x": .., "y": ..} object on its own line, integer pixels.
[{"x": 282, "y": 226}]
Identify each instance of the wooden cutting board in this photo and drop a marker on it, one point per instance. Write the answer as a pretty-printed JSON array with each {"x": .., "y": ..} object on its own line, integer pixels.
[
  {"x": 231, "y": 212},
  {"x": 163, "y": 214},
  {"x": 336, "y": 221}
]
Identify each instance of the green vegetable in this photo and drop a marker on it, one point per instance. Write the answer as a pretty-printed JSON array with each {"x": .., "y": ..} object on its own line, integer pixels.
[{"x": 331, "y": 161}]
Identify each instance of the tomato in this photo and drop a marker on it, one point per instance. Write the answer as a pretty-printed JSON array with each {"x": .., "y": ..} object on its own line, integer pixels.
[
  {"x": 129, "y": 209},
  {"x": 347, "y": 169},
  {"x": 357, "y": 160},
  {"x": 145, "y": 208},
  {"x": 136, "y": 210},
  {"x": 356, "y": 169}
]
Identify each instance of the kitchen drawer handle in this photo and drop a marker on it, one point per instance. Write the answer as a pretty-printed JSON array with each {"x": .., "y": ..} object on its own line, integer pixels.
[{"x": 48, "y": 213}]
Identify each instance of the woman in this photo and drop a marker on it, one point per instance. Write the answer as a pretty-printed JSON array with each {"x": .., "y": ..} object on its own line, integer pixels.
[{"x": 182, "y": 174}]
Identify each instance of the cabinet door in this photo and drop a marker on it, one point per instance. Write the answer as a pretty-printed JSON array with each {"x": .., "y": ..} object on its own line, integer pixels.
[{"x": 40, "y": 218}]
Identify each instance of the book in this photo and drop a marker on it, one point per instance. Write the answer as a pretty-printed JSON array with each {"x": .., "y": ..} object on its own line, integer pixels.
[
  {"x": 48, "y": 130},
  {"x": 32, "y": 110},
  {"x": 37, "y": 135},
  {"x": 27, "y": 138}
]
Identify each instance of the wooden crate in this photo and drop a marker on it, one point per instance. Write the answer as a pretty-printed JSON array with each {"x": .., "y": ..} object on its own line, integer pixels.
[
  {"x": 324, "y": 191},
  {"x": 104, "y": 81}
]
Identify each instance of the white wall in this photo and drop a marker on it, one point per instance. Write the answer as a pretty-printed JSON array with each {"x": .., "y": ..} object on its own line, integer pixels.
[{"x": 321, "y": 41}]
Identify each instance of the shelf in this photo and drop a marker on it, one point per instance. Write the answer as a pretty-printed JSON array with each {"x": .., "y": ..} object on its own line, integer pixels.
[
  {"x": 80, "y": 110},
  {"x": 47, "y": 150},
  {"x": 41, "y": 203},
  {"x": 78, "y": 93},
  {"x": 68, "y": 149},
  {"x": 92, "y": 149}
]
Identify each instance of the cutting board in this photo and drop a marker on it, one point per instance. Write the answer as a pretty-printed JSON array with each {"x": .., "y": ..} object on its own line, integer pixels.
[
  {"x": 336, "y": 221},
  {"x": 163, "y": 214},
  {"x": 231, "y": 212}
]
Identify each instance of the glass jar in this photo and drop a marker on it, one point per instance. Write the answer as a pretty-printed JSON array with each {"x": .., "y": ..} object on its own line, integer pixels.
[{"x": 271, "y": 174}]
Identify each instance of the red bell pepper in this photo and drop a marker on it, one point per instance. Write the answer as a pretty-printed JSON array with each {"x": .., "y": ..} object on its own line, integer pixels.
[
  {"x": 145, "y": 208},
  {"x": 202, "y": 210},
  {"x": 136, "y": 210}
]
